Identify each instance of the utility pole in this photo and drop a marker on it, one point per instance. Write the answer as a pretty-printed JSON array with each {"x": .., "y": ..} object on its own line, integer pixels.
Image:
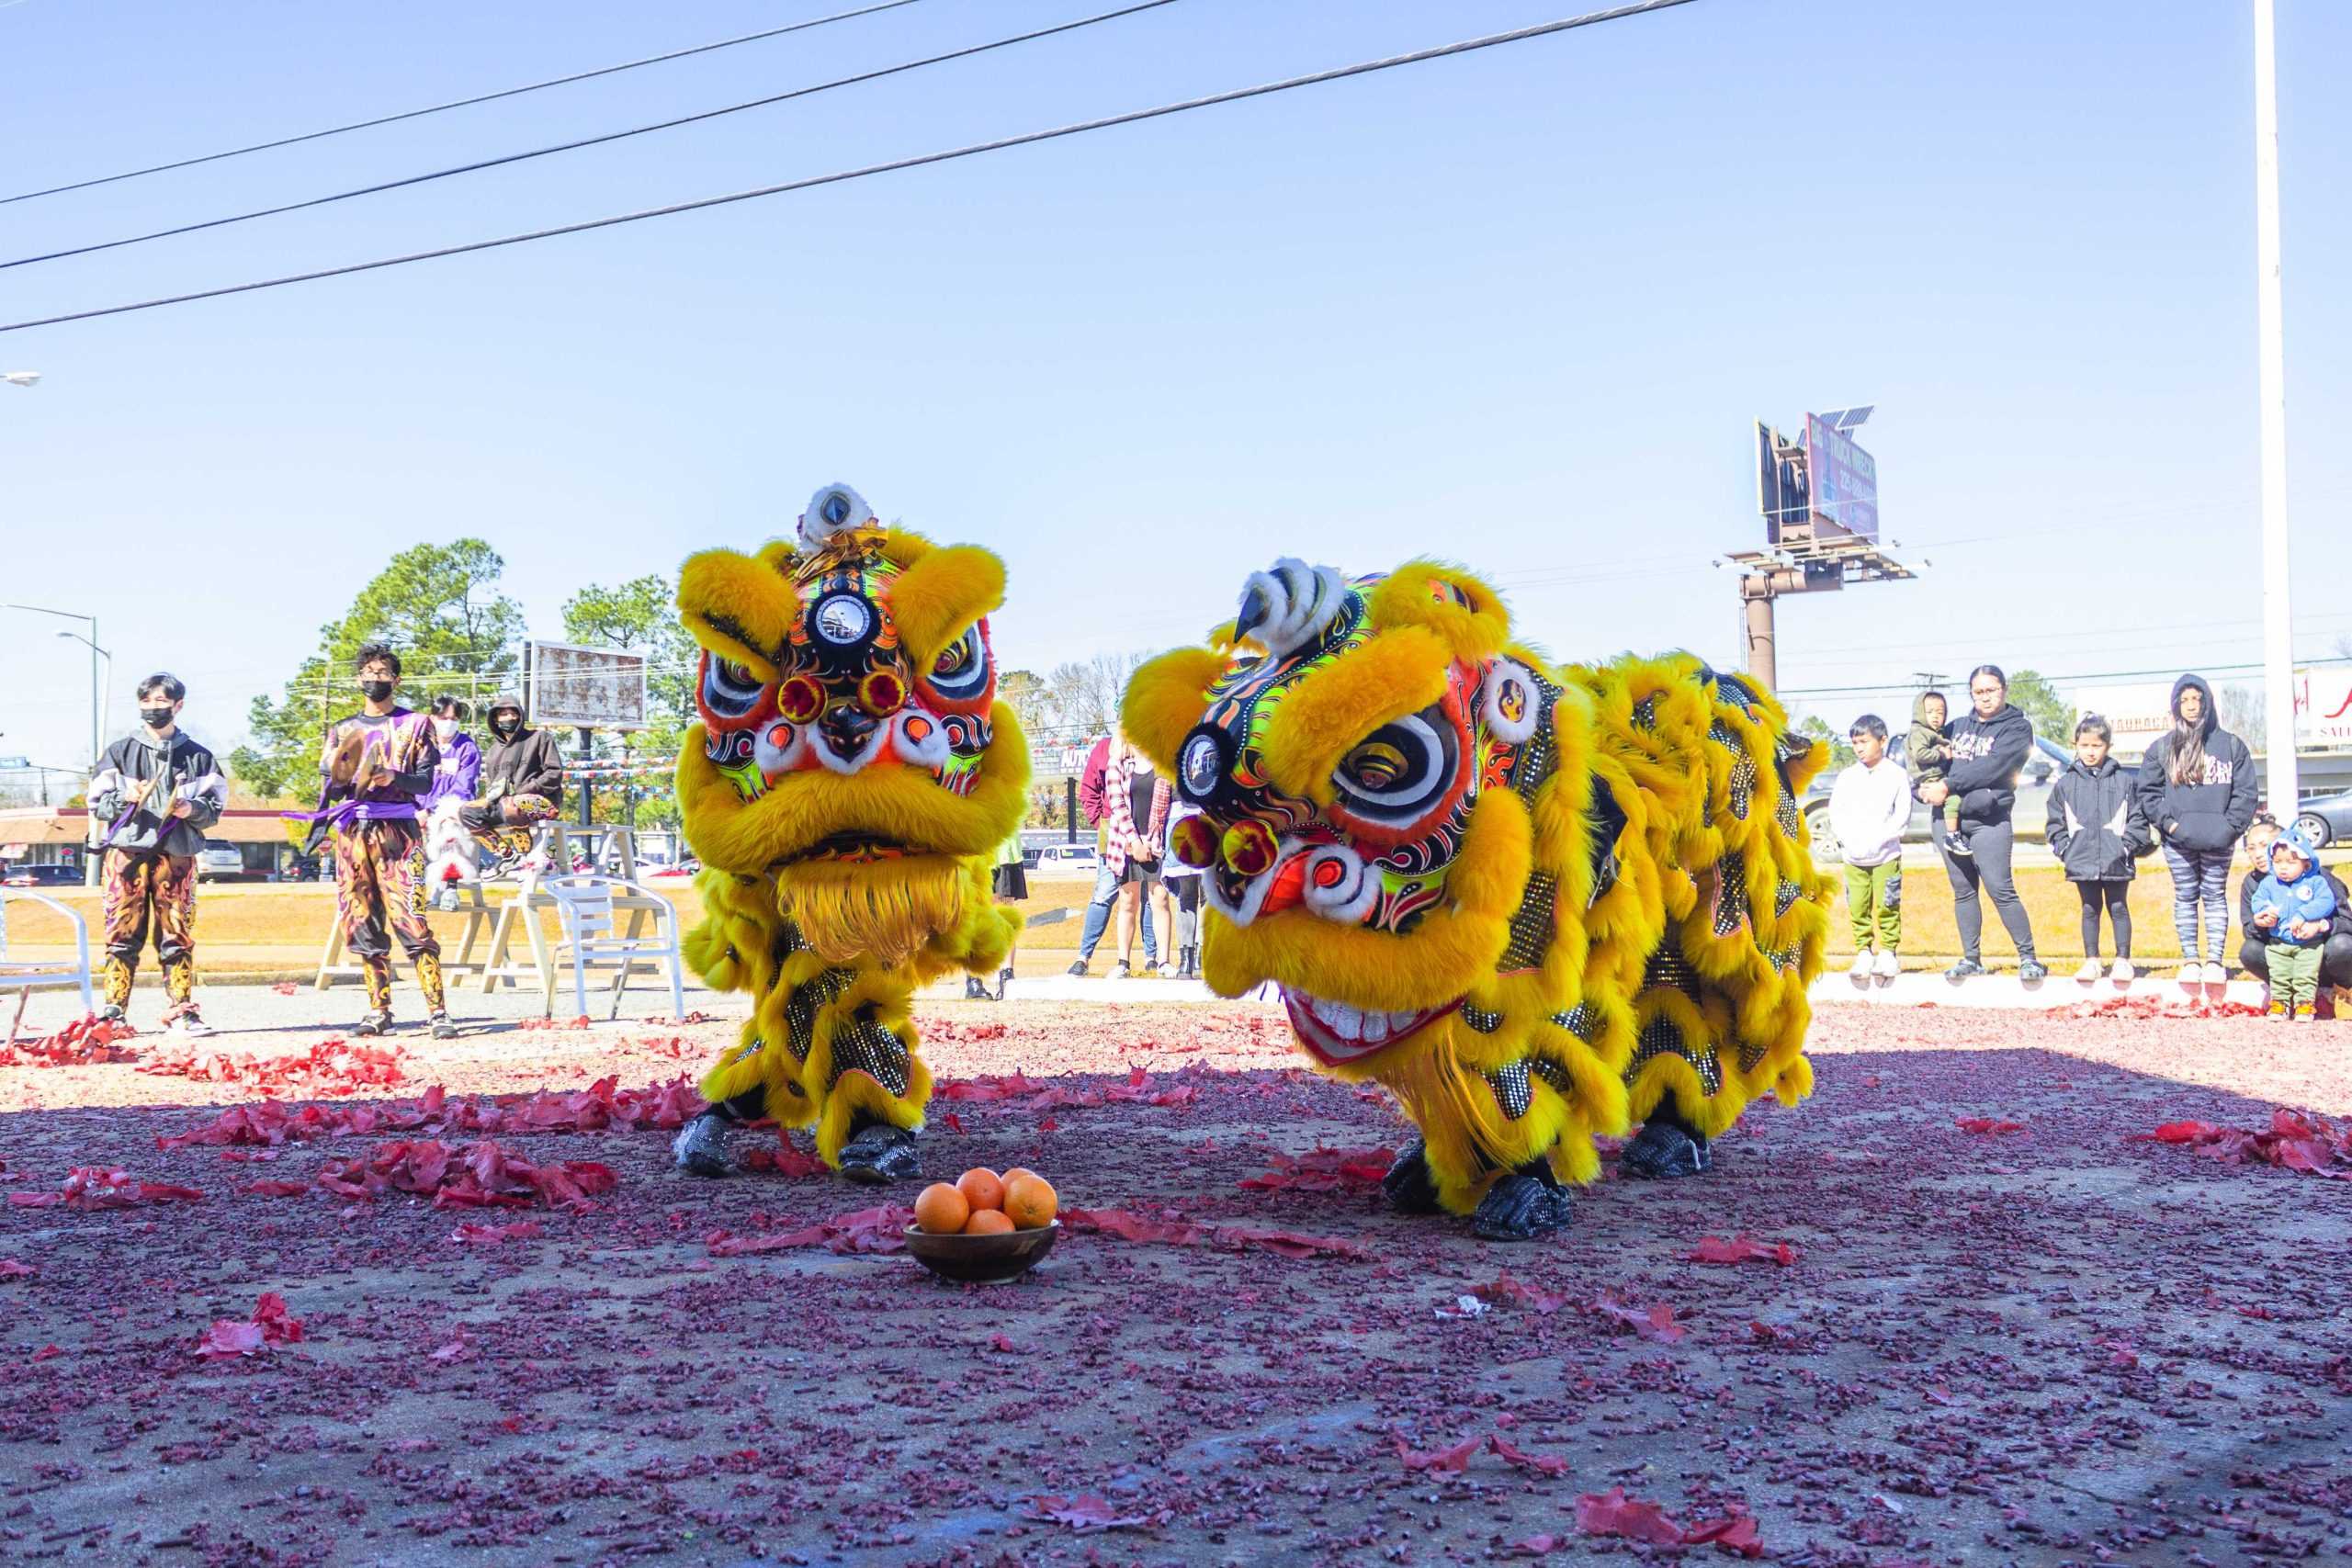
[{"x": 2278, "y": 623}]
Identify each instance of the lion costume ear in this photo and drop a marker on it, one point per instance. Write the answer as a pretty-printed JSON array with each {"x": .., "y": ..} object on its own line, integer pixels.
[
  {"x": 737, "y": 607},
  {"x": 943, "y": 590},
  {"x": 1166, "y": 698},
  {"x": 1464, "y": 612}
]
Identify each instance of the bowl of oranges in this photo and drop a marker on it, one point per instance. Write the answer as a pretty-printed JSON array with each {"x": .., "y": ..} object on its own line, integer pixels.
[{"x": 983, "y": 1226}]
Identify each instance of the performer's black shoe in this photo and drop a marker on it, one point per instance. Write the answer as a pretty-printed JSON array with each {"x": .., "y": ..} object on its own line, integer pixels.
[
  {"x": 1409, "y": 1187},
  {"x": 375, "y": 1022},
  {"x": 1523, "y": 1206},
  {"x": 112, "y": 1014},
  {"x": 442, "y": 1028},
  {"x": 1665, "y": 1150},
  {"x": 878, "y": 1154},
  {"x": 1003, "y": 981},
  {"x": 700, "y": 1147},
  {"x": 974, "y": 991}
]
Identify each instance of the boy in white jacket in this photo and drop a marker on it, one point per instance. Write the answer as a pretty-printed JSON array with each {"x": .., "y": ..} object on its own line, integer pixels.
[{"x": 1869, "y": 808}]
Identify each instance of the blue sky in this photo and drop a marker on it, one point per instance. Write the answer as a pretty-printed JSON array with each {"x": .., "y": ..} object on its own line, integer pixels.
[{"x": 1520, "y": 309}]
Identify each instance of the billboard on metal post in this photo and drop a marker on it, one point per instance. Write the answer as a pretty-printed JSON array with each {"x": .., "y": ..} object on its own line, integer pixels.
[
  {"x": 1843, "y": 480},
  {"x": 1780, "y": 488},
  {"x": 593, "y": 688}
]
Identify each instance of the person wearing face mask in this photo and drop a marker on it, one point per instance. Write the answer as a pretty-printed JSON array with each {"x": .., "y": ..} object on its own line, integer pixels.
[
  {"x": 458, "y": 773},
  {"x": 159, "y": 790},
  {"x": 522, "y": 781},
  {"x": 379, "y": 762}
]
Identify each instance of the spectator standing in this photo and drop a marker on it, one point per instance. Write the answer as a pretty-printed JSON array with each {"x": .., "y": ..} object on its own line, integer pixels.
[
  {"x": 1869, "y": 808},
  {"x": 160, "y": 790},
  {"x": 1137, "y": 824},
  {"x": 1094, "y": 805},
  {"x": 457, "y": 776},
  {"x": 2197, "y": 787},
  {"x": 522, "y": 781},
  {"x": 1008, "y": 883},
  {"x": 1927, "y": 752},
  {"x": 2335, "y": 953},
  {"x": 1184, "y": 885},
  {"x": 1989, "y": 744},
  {"x": 2096, "y": 830},
  {"x": 2294, "y": 908}
]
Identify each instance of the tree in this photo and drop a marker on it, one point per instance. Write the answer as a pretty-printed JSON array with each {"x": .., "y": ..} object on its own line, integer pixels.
[
  {"x": 2032, "y": 694},
  {"x": 639, "y": 616},
  {"x": 1081, "y": 701},
  {"x": 1818, "y": 728},
  {"x": 2238, "y": 709},
  {"x": 439, "y": 606}
]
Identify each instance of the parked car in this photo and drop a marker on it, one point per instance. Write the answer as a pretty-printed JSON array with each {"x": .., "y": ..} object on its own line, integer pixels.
[
  {"x": 43, "y": 876},
  {"x": 217, "y": 858},
  {"x": 1067, "y": 859},
  {"x": 2327, "y": 819},
  {"x": 2030, "y": 816}
]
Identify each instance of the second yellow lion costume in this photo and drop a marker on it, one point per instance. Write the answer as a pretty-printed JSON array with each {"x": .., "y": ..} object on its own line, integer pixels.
[
  {"x": 851, "y": 780},
  {"x": 1536, "y": 903}
]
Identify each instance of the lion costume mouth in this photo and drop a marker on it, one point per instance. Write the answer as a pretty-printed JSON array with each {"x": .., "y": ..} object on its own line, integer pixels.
[{"x": 1340, "y": 1035}]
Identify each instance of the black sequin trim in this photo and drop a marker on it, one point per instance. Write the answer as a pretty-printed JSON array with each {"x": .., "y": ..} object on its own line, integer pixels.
[
  {"x": 1531, "y": 928},
  {"x": 1785, "y": 895},
  {"x": 1485, "y": 1022},
  {"x": 1731, "y": 895},
  {"x": 1668, "y": 969},
  {"x": 863, "y": 1046},
  {"x": 1645, "y": 713},
  {"x": 1659, "y": 1037},
  {"x": 1581, "y": 1021},
  {"x": 1512, "y": 1091}
]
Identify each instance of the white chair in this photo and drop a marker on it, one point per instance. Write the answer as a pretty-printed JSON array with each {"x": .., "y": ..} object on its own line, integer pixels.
[
  {"x": 25, "y": 977},
  {"x": 586, "y": 903}
]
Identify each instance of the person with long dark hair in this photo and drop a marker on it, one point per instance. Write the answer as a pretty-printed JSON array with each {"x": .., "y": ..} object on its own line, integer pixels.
[
  {"x": 1989, "y": 744},
  {"x": 2198, "y": 790}
]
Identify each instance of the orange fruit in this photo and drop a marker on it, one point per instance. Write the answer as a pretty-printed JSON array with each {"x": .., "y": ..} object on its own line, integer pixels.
[
  {"x": 1016, "y": 1172},
  {"x": 981, "y": 1188},
  {"x": 940, "y": 1210},
  {"x": 1030, "y": 1201},
  {"x": 988, "y": 1221}
]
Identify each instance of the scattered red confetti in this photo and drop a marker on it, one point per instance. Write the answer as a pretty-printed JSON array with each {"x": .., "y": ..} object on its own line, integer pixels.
[
  {"x": 1178, "y": 1232},
  {"x": 1987, "y": 1124},
  {"x": 1613, "y": 1513},
  {"x": 1504, "y": 1290},
  {"x": 1743, "y": 1249},
  {"x": 329, "y": 1068},
  {"x": 15, "y": 1269},
  {"x": 84, "y": 1042},
  {"x": 480, "y": 1175},
  {"x": 271, "y": 1324},
  {"x": 1081, "y": 1513},
  {"x": 472, "y": 1234},
  {"x": 286, "y": 987},
  {"x": 786, "y": 1160},
  {"x": 1452, "y": 1460},
  {"x": 88, "y": 1187},
  {"x": 1324, "y": 1170},
  {"x": 1656, "y": 1324},
  {"x": 1542, "y": 1464},
  {"x": 601, "y": 1105},
  {"x": 2295, "y": 1140}
]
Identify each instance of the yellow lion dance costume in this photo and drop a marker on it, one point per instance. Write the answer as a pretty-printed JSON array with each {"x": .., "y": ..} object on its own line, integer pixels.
[
  {"x": 1535, "y": 903},
  {"x": 851, "y": 779}
]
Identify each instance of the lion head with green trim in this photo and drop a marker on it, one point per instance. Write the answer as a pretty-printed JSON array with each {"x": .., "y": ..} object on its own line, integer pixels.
[
  {"x": 851, "y": 746},
  {"x": 1344, "y": 741}
]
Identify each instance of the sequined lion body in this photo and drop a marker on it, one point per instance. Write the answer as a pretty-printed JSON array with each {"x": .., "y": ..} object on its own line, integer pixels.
[
  {"x": 851, "y": 778},
  {"x": 1537, "y": 903}
]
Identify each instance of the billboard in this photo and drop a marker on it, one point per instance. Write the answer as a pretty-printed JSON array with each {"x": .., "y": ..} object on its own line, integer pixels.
[
  {"x": 2323, "y": 708},
  {"x": 2137, "y": 714},
  {"x": 1843, "y": 480},
  {"x": 593, "y": 688},
  {"x": 1781, "y": 489}
]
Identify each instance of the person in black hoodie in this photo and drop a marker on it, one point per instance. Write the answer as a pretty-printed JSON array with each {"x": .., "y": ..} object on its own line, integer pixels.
[
  {"x": 522, "y": 782},
  {"x": 1989, "y": 744},
  {"x": 158, "y": 790},
  {"x": 2198, "y": 789},
  {"x": 2336, "y": 956},
  {"x": 2096, "y": 830}
]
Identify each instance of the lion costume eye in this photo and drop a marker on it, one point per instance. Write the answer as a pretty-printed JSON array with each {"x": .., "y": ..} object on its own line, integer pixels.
[
  {"x": 730, "y": 690},
  {"x": 960, "y": 675},
  {"x": 1397, "y": 774}
]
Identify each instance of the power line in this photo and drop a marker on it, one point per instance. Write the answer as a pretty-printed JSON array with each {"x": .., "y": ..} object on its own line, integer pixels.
[
  {"x": 460, "y": 103},
  {"x": 504, "y": 159},
  {"x": 1516, "y": 35}
]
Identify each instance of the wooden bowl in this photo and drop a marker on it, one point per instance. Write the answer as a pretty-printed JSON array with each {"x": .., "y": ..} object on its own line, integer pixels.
[{"x": 980, "y": 1259}]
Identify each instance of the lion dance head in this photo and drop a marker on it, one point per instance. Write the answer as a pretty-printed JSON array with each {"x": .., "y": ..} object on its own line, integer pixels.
[
  {"x": 851, "y": 775},
  {"x": 1490, "y": 884}
]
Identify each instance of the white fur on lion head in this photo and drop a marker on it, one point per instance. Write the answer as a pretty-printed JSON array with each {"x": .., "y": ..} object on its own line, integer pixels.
[
  {"x": 1287, "y": 608},
  {"x": 836, "y": 509}
]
